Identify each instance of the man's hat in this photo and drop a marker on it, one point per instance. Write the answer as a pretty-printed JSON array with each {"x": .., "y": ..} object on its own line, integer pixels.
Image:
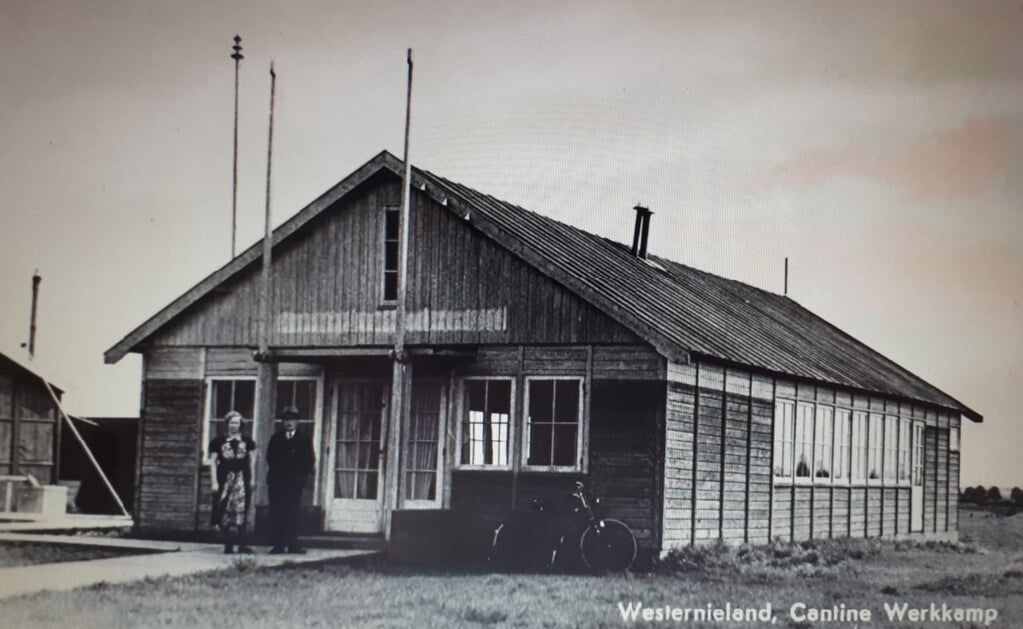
[{"x": 290, "y": 412}]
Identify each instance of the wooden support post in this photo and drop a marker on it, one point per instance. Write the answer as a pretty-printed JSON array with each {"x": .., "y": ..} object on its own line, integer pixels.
[
  {"x": 266, "y": 406},
  {"x": 392, "y": 452}
]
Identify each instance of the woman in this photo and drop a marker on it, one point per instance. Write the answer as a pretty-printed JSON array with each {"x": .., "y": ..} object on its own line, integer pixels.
[{"x": 232, "y": 463}]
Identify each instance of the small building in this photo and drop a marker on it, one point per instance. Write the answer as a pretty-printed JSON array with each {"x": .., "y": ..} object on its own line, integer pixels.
[
  {"x": 29, "y": 423},
  {"x": 537, "y": 354}
]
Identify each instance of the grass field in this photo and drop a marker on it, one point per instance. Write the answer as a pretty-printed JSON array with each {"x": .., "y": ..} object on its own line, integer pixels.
[{"x": 983, "y": 572}]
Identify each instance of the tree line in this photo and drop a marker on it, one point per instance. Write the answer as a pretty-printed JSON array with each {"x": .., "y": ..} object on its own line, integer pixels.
[{"x": 991, "y": 496}]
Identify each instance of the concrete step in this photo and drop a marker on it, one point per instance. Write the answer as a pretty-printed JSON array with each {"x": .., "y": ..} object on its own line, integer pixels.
[{"x": 343, "y": 541}]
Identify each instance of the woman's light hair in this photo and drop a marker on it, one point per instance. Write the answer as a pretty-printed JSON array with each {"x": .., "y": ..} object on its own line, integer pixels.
[{"x": 234, "y": 414}]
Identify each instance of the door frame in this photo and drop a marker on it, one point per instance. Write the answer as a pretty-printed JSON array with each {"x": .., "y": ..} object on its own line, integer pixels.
[
  {"x": 918, "y": 469},
  {"x": 333, "y": 385},
  {"x": 444, "y": 405}
]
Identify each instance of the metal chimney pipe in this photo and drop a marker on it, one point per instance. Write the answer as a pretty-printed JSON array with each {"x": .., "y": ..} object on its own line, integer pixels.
[
  {"x": 646, "y": 234},
  {"x": 36, "y": 279},
  {"x": 640, "y": 232}
]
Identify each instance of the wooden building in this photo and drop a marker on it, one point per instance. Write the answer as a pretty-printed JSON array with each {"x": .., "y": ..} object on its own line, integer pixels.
[
  {"x": 29, "y": 423},
  {"x": 700, "y": 408}
]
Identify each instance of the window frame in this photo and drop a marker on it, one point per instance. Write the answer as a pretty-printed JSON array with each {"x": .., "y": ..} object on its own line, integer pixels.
[
  {"x": 828, "y": 427},
  {"x": 954, "y": 443},
  {"x": 207, "y": 435},
  {"x": 578, "y": 465},
  {"x": 904, "y": 452},
  {"x": 512, "y": 421},
  {"x": 386, "y": 302},
  {"x": 859, "y": 430},
  {"x": 841, "y": 453},
  {"x": 890, "y": 451},
  {"x": 798, "y": 431},
  {"x": 877, "y": 449},
  {"x": 781, "y": 426}
]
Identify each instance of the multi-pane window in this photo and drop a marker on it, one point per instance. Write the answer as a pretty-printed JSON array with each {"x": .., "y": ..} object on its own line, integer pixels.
[
  {"x": 891, "y": 442},
  {"x": 822, "y": 442},
  {"x": 903, "y": 451},
  {"x": 225, "y": 396},
  {"x": 553, "y": 419},
  {"x": 840, "y": 472},
  {"x": 392, "y": 239},
  {"x": 874, "y": 451},
  {"x": 804, "y": 439},
  {"x": 486, "y": 423},
  {"x": 918, "y": 454},
  {"x": 784, "y": 411},
  {"x": 301, "y": 395},
  {"x": 858, "y": 449}
]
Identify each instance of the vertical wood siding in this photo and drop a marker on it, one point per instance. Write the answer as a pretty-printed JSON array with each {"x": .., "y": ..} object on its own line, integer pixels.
[{"x": 463, "y": 288}]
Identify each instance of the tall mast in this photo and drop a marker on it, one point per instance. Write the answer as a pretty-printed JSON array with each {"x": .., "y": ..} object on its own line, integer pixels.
[{"x": 237, "y": 56}]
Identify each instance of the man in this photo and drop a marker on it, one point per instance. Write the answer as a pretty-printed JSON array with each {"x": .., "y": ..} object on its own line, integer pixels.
[{"x": 291, "y": 460}]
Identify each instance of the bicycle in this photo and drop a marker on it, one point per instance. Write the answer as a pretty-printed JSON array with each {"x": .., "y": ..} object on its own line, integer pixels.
[{"x": 535, "y": 539}]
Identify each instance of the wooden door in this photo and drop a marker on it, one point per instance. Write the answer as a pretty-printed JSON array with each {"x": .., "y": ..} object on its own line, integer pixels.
[
  {"x": 916, "y": 491},
  {"x": 355, "y": 487}
]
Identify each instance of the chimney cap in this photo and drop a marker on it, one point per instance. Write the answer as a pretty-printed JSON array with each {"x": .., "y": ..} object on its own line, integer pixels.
[{"x": 642, "y": 209}]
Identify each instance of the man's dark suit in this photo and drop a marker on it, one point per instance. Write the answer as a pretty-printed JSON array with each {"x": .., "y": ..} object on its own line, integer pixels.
[{"x": 290, "y": 462}]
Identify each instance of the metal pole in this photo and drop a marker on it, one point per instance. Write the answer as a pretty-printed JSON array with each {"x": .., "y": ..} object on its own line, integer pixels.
[
  {"x": 237, "y": 56},
  {"x": 399, "y": 375},
  {"x": 264, "y": 319},
  {"x": 786, "y": 277}
]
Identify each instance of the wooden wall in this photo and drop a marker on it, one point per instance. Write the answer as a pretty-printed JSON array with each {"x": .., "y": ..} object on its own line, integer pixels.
[
  {"x": 718, "y": 483},
  {"x": 29, "y": 427},
  {"x": 464, "y": 288}
]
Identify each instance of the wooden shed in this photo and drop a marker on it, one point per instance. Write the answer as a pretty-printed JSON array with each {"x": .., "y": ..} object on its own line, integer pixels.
[
  {"x": 700, "y": 408},
  {"x": 29, "y": 423}
]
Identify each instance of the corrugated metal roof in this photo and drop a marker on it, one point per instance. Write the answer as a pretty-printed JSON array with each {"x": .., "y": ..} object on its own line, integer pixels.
[
  {"x": 698, "y": 312},
  {"x": 679, "y": 310}
]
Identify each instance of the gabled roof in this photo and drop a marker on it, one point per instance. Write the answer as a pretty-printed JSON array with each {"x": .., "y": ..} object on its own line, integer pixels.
[
  {"x": 10, "y": 365},
  {"x": 681, "y": 311}
]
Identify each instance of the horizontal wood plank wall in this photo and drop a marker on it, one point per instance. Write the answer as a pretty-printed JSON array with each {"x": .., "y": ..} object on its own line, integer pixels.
[
  {"x": 464, "y": 288},
  {"x": 680, "y": 408},
  {"x": 735, "y": 455},
  {"x": 941, "y": 501},
  {"x": 709, "y": 452},
  {"x": 627, "y": 362},
  {"x": 171, "y": 432},
  {"x": 761, "y": 444},
  {"x": 953, "y": 480},
  {"x": 623, "y": 454}
]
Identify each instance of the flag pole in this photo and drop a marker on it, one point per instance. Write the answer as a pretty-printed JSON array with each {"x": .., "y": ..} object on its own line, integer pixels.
[
  {"x": 264, "y": 319},
  {"x": 399, "y": 375},
  {"x": 237, "y": 56}
]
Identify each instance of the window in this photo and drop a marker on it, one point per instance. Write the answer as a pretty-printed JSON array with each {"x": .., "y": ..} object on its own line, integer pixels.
[
  {"x": 804, "y": 439},
  {"x": 840, "y": 472},
  {"x": 553, "y": 423},
  {"x": 302, "y": 394},
  {"x": 392, "y": 239},
  {"x": 822, "y": 443},
  {"x": 903, "y": 451},
  {"x": 874, "y": 452},
  {"x": 918, "y": 454},
  {"x": 784, "y": 411},
  {"x": 891, "y": 442},
  {"x": 224, "y": 396},
  {"x": 858, "y": 449},
  {"x": 486, "y": 423},
  {"x": 953, "y": 440}
]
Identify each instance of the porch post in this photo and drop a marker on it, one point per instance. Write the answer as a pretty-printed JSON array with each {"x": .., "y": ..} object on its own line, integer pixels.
[
  {"x": 392, "y": 454},
  {"x": 266, "y": 404}
]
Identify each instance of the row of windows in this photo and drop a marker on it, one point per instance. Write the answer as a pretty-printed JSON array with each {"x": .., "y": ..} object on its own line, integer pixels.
[
  {"x": 552, "y": 426},
  {"x": 819, "y": 443}
]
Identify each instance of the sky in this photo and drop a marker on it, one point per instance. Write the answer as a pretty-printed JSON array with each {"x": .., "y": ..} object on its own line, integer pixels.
[{"x": 878, "y": 145}]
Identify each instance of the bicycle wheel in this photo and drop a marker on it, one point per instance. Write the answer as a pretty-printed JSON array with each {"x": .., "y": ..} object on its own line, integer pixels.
[{"x": 608, "y": 546}]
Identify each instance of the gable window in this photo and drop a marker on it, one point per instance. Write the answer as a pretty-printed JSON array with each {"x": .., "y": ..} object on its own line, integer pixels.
[
  {"x": 486, "y": 423},
  {"x": 224, "y": 396},
  {"x": 784, "y": 416},
  {"x": 553, "y": 422},
  {"x": 874, "y": 452},
  {"x": 392, "y": 237},
  {"x": 840, "y": 472}
]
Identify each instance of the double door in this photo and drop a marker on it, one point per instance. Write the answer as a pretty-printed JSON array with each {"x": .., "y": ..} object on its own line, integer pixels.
[{"x": 356, "y": 490}]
